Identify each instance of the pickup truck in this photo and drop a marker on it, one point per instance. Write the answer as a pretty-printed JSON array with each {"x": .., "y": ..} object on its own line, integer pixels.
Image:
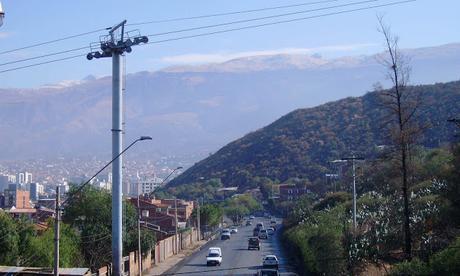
[{"x": 214, "y": 256}]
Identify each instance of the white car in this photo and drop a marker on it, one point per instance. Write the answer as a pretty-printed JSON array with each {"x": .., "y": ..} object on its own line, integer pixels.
[
  {"x": 214, "y": 256},
  {"x": 270, "y": 261},
  {"x": 233, "y": 230},
  {"x": 263, "y": 234}
]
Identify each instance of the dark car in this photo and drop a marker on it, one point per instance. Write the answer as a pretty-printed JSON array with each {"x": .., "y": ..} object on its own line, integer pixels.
[
  {"x": 248, "y": 223},
  {"x": 255, "y": 232},
  {"x": 253, "y": 243}
]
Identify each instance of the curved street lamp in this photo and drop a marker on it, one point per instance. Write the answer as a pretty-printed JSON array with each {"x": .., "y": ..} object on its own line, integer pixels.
[
  {"x": 59, "y": 206},
  {"x": 142, "y": 138},
  {"x": 164, "y": 180}
]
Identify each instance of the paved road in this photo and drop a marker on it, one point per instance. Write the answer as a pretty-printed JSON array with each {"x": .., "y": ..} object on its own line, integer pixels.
[{"x": 237, "y": 259}]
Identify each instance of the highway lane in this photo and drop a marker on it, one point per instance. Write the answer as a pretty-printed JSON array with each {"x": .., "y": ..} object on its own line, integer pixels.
[{"x": 237, "y": 259}]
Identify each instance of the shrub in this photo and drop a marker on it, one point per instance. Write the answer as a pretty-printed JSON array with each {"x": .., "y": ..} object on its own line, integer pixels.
[{"x": 414, "y": 267}]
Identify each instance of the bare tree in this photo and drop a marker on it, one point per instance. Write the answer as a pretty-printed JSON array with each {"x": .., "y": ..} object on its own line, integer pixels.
[{"x": 402, "y": 107}]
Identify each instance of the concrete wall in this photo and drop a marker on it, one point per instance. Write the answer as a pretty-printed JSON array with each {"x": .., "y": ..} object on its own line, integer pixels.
[{"x": 163, "y": 250}]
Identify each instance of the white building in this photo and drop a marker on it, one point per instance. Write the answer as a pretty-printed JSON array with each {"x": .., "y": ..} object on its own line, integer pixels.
[
  {"x": 147, "y": 185},
  {"x": 36, "y": 190}
]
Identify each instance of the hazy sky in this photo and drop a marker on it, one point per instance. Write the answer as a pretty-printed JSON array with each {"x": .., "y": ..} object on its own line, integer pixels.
[{"x": 420, "y": 23}]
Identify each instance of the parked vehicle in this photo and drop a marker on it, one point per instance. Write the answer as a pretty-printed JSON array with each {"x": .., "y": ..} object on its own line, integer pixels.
[
  {"x": 225, "y": 235},
  {"x": 252, "y": 217},
  {"x": 270, "y": 261},
  {"x": 253, "y": 243},
  {"x": 263, "y": 234},
  {"x": 214, "y": 256},
  {"x": 255, "y": 232}
]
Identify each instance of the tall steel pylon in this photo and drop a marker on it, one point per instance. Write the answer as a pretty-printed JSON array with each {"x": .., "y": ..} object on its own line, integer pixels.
[{"x": 115, "y": 46}]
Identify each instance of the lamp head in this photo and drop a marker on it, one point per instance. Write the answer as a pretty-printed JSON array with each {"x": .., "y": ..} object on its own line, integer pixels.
[
  {"x": 179, "y": 168},
  {"x": 142, "y": 138}
]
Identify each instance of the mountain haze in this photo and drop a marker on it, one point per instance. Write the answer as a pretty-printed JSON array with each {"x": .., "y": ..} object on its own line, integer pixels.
[{"x": 193, "y": 109}]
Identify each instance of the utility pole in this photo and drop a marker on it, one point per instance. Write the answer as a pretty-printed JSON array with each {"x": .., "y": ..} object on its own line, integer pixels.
[
  {"x": 175, "y": 207},
  {"x": 139, "y": 235},
  {"x": 114, "y": 46},
  {"x": 57, "y": 218},
  {"x": 198, "y": 220},
  {"x": 353, "y": 159}
]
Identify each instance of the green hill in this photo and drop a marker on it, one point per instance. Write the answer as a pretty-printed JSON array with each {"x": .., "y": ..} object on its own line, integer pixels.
[{"x": 301, "y": 143}]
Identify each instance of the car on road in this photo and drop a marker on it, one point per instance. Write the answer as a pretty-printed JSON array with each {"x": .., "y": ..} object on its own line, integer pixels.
[
  {"x": 214, "y": 256},
  {"x": 267, "y": 272},
  {"x": 263, "y": 234},
  {"x": 248, "y": 223},
  {"x": 225, "y": 235},
  {"x": 260, "y": 225},
  {"x": 252, "y": 217},
  {"x": 253, "y": 243},
  {"x": 270, "y": 231},
  {"x": 270, "y": 261},
  {"x": 233, "y": 230},
  {"x": 255, "y": 232}
]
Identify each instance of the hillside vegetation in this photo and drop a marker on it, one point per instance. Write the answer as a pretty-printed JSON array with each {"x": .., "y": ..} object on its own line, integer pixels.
[{"x": 301, "y": 143}]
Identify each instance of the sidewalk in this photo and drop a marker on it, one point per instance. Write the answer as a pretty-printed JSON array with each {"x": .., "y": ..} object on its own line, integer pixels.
[{"x": 170, "y": 262}]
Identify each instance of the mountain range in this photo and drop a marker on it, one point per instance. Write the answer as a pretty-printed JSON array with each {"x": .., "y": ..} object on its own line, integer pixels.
[
  {"x": 193, "y": 109},
  {"x": 302, "y": 143}
]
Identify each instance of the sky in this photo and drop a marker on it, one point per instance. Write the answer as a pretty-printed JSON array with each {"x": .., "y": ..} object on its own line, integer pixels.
[{"x": 421, "y": 23}]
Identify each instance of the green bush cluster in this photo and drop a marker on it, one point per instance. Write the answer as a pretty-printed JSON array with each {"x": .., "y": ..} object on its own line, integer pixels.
[{"x": 445, "y": 262}]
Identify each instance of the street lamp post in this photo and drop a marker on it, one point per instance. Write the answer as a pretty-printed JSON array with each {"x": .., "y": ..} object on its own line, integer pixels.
[
  {"x": 142, "y": 138},
  {"x": 352, "y": 159},
  {"x": 164, "y": 180}
]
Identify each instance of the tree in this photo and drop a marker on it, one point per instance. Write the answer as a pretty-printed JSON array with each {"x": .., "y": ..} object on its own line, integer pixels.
[
  {"x": 236, "y": 213},
  {"x": 452, "y": 190},
  {"x": 9, "y": 240},
  {"x": 402, "y": 107},
  {"x": 40, "y": 250},
  {"x": 210, "y": 215},
  {"x": 90, "y": 211}
]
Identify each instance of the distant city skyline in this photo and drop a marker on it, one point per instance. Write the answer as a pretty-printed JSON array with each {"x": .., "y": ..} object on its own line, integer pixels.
[{"x": 419, "y": 24}]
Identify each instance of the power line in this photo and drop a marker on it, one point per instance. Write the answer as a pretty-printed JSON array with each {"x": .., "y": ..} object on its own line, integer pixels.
[
  {"x": 41, "y": 63},
  {"x": 171, "y": 32},
  {"x": 203, "y": 27},
  {"x": 229, "y": 30},
  {"x": 229, "y": 13},
  {"x": 52, "y": 41},
  {"x": 262, "y": 18},
  {"x": 280, "y": 22},
  {"x": 42, "y": 56}
]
